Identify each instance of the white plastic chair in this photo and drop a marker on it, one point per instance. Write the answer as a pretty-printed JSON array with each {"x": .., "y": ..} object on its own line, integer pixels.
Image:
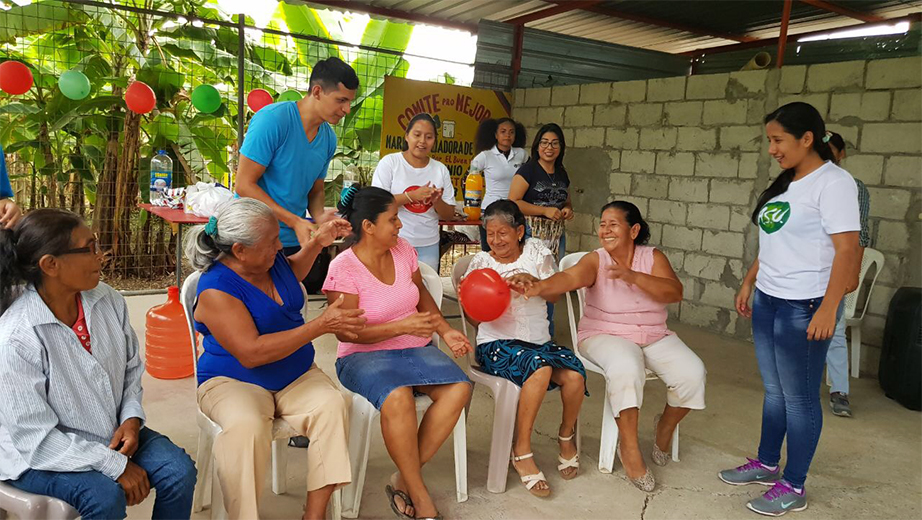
[
  {"x": 505, "y": 397},
  {"x": 29, "y": 506},
  {"x": 209, "y": 430},
  {"x": 871, "y": 257},
  {"x": 609, "y": 440},
  {"x": 362, "y": 421}
]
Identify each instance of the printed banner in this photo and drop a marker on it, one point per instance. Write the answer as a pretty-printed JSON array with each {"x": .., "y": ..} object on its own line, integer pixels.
[{"x": 456, "y": 110}]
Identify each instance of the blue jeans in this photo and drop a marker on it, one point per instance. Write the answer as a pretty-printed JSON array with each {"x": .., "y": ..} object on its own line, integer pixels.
[
  {"x": 429, "y": 255},
  {"x": 837, "y": 360},
  {"x": 169, "y": 469},
  {"x": 792, "y": 369}
]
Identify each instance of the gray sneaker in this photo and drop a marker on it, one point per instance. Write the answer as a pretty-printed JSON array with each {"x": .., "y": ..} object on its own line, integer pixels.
[
  {"x": 839, "y": 404},
  {"x": 778, "y": 500},
  {"x": 753, "y": 472}
]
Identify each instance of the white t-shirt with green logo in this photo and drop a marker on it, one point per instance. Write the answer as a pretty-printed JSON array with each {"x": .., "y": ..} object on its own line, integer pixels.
[{"x": 795, "y": 246}]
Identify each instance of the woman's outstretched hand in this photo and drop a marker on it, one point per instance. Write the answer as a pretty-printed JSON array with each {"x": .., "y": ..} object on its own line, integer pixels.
[
  {"x": 342, "y": 322},
  {"x": 524, "y": 284}
]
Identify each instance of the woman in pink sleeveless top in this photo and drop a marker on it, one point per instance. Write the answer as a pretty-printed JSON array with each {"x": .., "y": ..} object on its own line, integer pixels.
[{"x": 623, "y": 330}]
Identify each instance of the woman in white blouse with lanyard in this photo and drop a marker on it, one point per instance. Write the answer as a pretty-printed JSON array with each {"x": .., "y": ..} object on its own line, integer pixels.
[
  {"x": 808, "y": 261},
  {"x": 421, "y": 186},
  {"x": 499, "y": 146}
]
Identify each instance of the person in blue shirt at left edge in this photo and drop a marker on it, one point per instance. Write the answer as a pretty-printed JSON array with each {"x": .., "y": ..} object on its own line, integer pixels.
[
  {"x": 288, "y": 147},
  {"x": 9, "y": 211}
]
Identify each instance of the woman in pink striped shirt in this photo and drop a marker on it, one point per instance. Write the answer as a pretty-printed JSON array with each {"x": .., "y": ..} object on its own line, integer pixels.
[
  {"x": 623, "y": 330},
  {"x": 393, "y": 356}
]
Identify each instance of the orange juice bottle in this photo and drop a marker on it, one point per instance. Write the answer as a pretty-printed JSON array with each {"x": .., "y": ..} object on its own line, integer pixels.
[{"x": 473, "y": 193}]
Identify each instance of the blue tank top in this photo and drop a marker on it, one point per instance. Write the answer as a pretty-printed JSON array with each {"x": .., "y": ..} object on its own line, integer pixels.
[{"x": 268, "y": 316}]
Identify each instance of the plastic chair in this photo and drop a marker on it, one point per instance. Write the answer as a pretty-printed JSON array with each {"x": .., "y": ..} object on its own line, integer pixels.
[
  {"x": 29, "y": 506},
  {"x": 609, "y": 440},
  {"x": 506, "y": 402},
  {"x": 871, "y": 257},
  {"x": 362, "y": 419},
  {"x": 209, "y": 430}
]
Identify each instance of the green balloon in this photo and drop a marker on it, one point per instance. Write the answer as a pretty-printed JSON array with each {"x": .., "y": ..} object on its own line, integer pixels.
[
  {"x": 206, "y": 99},
  {"x": 74, "y": 85},
  {"x": 290, "y": 95}
]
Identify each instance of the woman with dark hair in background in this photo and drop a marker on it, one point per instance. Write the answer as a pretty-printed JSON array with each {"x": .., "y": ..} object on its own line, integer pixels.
[
  {"x": 541, "y": 189},
  {"x": 421, "y": 186},
  {"x": 71, "y": 422},
  {"x": 394, "y": 357},
  {"x": 258, "y": 360},
  {"x": 623, "y": 331},
  {"x": 498, "y": 145},
  {"x": 808, "y": 260},
  {"x": 837, "y": 356},
  {"x": 517, "y": 345}
]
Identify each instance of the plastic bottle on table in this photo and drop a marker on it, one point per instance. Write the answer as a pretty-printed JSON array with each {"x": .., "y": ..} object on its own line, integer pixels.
[
  {"x": 473, "y": 193},
  {"x": 161, "y": 175}
]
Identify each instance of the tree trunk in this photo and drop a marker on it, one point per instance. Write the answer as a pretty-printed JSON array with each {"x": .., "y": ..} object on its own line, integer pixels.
[{"x": 50, "y": 170}]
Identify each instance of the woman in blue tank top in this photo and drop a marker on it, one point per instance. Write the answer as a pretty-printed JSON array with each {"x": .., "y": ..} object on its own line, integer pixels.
[{"x": 258, "y": 360}]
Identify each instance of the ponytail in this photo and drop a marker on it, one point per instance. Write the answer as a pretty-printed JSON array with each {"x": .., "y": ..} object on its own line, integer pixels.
[
  {"x": 364, "y": 204},
  {"x": 238, "y": 221},
  {"x": 797, "y": 119}
]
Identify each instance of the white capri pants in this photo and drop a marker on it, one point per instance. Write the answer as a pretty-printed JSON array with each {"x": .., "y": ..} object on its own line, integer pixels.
[{"x": 624, "y": 362}]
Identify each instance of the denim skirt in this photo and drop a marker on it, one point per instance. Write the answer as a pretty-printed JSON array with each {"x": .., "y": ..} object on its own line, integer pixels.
[{"x": 374, "y": 375}]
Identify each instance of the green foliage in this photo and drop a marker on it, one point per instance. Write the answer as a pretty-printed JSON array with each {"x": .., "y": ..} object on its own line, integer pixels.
[{"x": 68, "y": 142}]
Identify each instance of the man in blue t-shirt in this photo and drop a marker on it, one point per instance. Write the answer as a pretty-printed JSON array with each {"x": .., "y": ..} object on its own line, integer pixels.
[
  {"x": 288, "y": 147},
  {"x": 9, "y": 211}
]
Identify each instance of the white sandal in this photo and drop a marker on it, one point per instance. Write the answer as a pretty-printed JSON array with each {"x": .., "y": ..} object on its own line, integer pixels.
[
  {"x": 568, "y": 463},
  {"x": 530, "y": 481}
]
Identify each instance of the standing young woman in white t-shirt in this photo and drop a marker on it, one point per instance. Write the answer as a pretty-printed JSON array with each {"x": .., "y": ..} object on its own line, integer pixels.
[
  {"x": 499, "y": 147},
  {"x": 421, "y": 186},
  {"x": 808, "y": 260}
]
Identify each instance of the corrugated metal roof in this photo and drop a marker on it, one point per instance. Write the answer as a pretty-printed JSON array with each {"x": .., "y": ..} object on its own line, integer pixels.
[{"x": 753, "y": 18}]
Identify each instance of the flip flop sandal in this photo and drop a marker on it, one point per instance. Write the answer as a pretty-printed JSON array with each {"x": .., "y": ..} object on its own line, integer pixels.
[{"x": 391, "y": 493}]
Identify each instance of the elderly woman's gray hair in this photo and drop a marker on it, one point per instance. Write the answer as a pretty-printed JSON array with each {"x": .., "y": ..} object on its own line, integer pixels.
[
  {"x": 507, "y": 212},
  {"x": 239, "y": 221}
]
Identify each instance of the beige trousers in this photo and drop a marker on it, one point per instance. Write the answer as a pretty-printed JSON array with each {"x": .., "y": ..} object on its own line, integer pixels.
[
  {"x": 312, "y": 405},
  {"x": 624, "y": 363}
]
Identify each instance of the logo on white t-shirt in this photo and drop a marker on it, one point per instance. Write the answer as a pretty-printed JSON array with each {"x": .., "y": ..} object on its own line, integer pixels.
[
  {"x": 416, "y": 207},
  {"x": 774, "y": 216}
]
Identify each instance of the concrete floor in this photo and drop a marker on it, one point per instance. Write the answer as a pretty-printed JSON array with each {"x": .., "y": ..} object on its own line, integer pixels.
[{"x": 869, "y": 466}]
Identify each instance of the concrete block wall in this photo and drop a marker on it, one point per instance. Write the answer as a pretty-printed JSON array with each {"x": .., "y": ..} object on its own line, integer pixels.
[{"x": 691, "y": 153}]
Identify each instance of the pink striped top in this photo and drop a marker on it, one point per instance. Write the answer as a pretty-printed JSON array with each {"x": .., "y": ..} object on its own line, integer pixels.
[
  {"x": 382, "y": 303},
  {"x": 616, "y": 308}
]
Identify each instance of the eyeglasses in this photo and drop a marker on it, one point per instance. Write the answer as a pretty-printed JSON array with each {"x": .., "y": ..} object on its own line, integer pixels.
[
  {"x": 92, "y": 248},
  {"x": 549, "y": 144}
]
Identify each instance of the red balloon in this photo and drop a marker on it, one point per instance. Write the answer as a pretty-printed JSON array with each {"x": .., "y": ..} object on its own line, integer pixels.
[
  {"x": 258, "y": 98},
  {"x": 15, "y": 78},
  {"x": 484, "y": 295},
  {"x": 140, "y": 97}
]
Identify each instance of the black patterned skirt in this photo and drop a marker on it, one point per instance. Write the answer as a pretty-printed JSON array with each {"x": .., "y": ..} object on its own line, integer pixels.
[{"x": 517, "y": 360}]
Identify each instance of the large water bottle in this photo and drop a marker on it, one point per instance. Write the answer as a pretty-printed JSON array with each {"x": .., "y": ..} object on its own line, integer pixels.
[{"x": 161, "y": 175}]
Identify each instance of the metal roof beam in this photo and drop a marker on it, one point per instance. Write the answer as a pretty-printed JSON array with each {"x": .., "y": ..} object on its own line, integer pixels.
[
  {"x": 614, "y": 13},
  {"x": 395, "y": 13},
  {"x": 913, "y": 18},
  {"x": 561, "y": 7},
  {"x": 844, "y": 11}
]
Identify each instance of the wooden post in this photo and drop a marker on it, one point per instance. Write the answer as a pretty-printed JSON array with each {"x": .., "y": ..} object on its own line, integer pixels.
[
  {"x": 783, "y": 37},
  {"x": 519, "y": 38}
]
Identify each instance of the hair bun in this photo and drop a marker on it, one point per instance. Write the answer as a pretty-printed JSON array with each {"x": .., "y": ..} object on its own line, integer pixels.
[{"x": 346, "y": 200}]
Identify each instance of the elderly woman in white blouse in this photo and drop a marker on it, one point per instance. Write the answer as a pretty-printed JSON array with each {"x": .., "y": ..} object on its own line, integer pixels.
[
  {"x": 71, "y": 422},
  {"x": 518, "y": 347}
]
